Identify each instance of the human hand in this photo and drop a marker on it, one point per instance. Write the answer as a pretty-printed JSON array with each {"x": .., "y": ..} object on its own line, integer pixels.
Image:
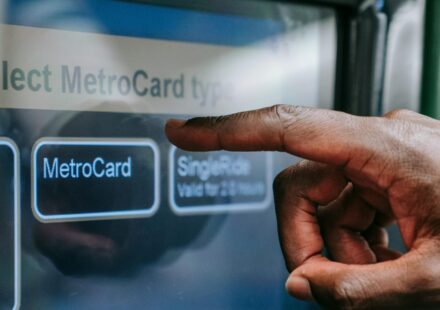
[{"x": 361, "y": 174}]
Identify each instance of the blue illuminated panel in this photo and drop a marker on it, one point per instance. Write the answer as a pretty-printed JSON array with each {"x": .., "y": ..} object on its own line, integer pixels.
[{"x": 148, "y": 21}]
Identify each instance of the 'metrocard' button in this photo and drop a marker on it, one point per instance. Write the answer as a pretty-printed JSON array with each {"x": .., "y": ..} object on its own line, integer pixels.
[{"x": 94, "y": 179}]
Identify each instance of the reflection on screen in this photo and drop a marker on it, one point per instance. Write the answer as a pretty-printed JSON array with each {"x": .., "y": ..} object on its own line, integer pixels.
[{"x": 113, "y": 216}]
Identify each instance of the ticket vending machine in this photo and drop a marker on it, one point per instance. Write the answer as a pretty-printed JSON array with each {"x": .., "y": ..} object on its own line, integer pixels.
[{"x": 98, "y": 210}]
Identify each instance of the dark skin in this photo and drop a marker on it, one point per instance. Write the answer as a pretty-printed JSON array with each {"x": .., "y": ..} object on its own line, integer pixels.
[{"x": 360, "y": 175}]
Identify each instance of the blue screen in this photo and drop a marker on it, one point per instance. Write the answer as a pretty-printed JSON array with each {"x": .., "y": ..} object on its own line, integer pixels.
[{"x": 114, "y": 217}]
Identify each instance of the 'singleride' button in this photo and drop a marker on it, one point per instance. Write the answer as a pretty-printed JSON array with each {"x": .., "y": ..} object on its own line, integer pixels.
[{"x": 217, "y": 182}]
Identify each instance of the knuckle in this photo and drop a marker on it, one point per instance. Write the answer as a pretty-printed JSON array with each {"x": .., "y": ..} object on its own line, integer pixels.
[
  {"x": 279, "y": 188},
  {"x": 283, "y": 109},
  {"x": 427, "y": 273},
  {"x": 399, "y": 114},
  {"x": 291, "y": 175},
  {"x": 285, "y": 181},
  {"x": 286, "y": 113},
  {"x": 351, "y": 291},
  {"x": 393, "y": 131},
  {"x": 280, "y": 180},
  {"x": 342, "y": 295},
  {"x": 288, "y": 118}
]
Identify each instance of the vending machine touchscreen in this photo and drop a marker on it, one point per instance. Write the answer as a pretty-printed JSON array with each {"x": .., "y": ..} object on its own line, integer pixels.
[{"x": 98, "y": 209}]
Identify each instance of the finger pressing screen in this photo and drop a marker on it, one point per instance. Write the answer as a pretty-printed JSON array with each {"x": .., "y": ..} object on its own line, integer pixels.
[{"x": 321, "y": 135}]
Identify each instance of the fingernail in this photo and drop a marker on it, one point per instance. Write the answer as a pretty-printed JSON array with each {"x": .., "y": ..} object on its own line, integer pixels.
[
  {"x": 175, "y": 123},
  {"x": 299, "y": 287}
]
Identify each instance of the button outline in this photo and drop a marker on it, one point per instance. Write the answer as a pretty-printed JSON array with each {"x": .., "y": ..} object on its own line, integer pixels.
[
  {"x": 17, "y": 220},
  {"x": 218, "y": 208},
  {"x": 92, "y": 216}
]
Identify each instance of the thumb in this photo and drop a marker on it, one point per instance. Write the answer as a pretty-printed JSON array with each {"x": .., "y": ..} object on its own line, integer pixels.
[{"x": 406, "y": 281}]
